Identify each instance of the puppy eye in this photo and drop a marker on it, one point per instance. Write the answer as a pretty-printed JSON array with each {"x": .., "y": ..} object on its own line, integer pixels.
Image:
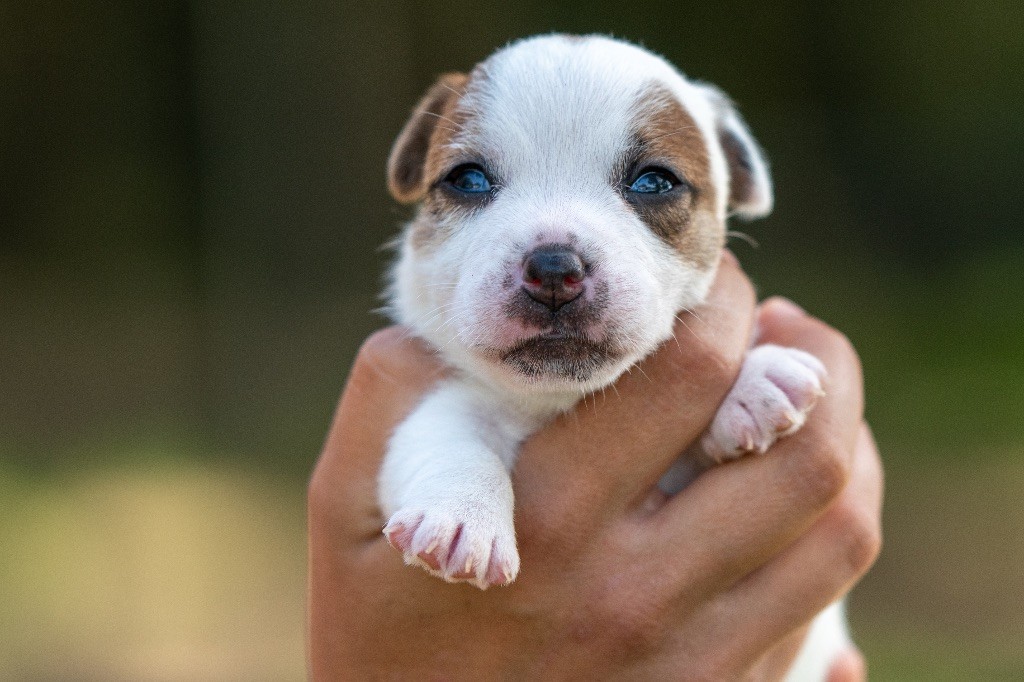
[
  {"x": 654, "y": 181},
  {"x": 470, "y": 179}
]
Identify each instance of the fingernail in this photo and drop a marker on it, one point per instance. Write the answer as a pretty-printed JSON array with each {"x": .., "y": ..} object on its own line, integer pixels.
[
  {"x": 784, "y": 306},
  {"x": 729, "y": 257}
]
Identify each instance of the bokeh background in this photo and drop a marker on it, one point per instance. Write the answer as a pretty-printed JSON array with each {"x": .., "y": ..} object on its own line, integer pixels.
[{"x": 191, "y": 207}]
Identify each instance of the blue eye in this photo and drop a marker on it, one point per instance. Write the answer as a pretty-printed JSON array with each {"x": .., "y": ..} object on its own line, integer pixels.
[
  {"x": 469, "y": 179},
  {"x": 653, "y": 182}
]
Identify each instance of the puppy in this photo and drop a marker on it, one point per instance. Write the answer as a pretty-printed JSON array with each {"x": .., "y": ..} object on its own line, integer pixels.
[{"x": 573, "y": 198}]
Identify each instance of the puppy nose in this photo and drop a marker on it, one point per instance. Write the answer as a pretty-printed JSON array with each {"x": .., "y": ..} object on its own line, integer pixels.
[{"x": 553, "y": 275}]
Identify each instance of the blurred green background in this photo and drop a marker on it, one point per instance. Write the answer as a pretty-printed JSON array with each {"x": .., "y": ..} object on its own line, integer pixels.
[{"x": 191, "y": 204}]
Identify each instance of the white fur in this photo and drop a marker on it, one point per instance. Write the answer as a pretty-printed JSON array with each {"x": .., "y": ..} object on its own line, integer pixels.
[
  {"x": 826, "y": 640},
  {"x": 551, "y": 115},
  {"x": 467, "y": 486}
]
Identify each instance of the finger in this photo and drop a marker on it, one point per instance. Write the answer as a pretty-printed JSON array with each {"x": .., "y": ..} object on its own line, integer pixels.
[
  {"x": 612, "y": 448},
  {"x": 820, "y": 567},
  {"x": 734, "y": 517},
  {"x": 390, "y": 374}
]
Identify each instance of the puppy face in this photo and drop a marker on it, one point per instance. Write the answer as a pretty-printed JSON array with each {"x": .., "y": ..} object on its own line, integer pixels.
[{"x": 573, "y": 197}]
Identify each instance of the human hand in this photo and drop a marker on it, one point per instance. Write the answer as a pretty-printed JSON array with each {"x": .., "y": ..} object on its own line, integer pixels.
[{"x": 718, "y": 582}]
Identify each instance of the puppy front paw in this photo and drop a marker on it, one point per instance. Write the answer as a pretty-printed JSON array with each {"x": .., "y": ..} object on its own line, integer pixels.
[
  {"x": 776, "y": 390},
  {"x": 459, "y": 543}
]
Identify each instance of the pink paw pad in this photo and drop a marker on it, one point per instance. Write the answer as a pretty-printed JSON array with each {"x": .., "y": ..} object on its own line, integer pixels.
[{"x": 775, "y": 391}]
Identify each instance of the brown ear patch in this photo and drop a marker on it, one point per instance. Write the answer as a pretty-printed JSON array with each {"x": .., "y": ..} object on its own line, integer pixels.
[
  {"x": 434, "y": 121},
  {"x": 741, "y": 170},
  {"x": 666, "y": 136},
  {"x": 750, "y": 183}
]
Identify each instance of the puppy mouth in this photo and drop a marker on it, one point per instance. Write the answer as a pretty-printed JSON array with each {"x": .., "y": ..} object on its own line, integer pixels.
[{"x": 558, "y": 355}]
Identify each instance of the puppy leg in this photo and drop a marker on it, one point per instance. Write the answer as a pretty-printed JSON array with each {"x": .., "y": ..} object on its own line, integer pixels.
[
  {"x": 445, "y": 484},
  {"x": 776, "y": 389}
]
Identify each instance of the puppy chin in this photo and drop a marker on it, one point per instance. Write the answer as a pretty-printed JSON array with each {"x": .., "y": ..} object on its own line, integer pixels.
[
  {"x": 560, "y": 359},
  {"x": 553, "y": 363}
]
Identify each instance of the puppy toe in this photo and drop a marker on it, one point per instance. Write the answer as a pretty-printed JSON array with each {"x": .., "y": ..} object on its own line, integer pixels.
[
  {"x": 484, "y": 555},
  {"x": 468, "y": 546},
  {"x": 776, "y": 389},
  {"x": 801, "y": 384},
  {"x": 733, "y": 431},
  {"x": 401, "y": 528}
]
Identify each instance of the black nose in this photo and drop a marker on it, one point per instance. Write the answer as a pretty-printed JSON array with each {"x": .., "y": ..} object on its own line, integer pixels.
[{"x": 553, "y": 275}]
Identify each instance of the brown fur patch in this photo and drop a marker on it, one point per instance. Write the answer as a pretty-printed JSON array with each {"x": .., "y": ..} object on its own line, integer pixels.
[
  {"x": 422, "y": 154},
  {"x": 666, "y": 136},
  {"x": 741, "y": 174},
  {"x": 433, "y": 123}
]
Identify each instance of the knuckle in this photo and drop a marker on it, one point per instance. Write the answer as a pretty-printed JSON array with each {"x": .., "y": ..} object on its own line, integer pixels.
[
  {"x": 391, "y": 358},
  {"x": 843, "y": 343},
  {"x": 861, "y": 534},
  {"x": 821, "y": 470},
  {"x": 844, "y": 347},
  {"x": 378, "y": 347}
]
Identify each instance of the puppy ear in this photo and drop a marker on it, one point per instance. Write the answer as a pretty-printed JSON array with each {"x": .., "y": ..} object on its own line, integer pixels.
[
  {"x": 406, "y": 164},
  {"x": 750, "y": 184}
]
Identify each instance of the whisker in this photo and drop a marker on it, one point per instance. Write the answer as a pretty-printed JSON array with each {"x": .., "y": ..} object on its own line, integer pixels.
[
  {"x": 436, "y": 313},
  {"x": 679, "y": 346},
  {"x": 643, "y": 373},
  {"x": 439, "y": 285},
  {"x": 743, "y": 236},
  {"x": 448, "y": 87},
  {"x": 430, "y": 320},
  {"x": 696, "y": 313},
  {"x": 688, "y": 327},
  {"x": 440, "y": 308},
  {"x": 458, "y": 126},
  {"x": 698, "y": 317},
  {"x": 450, "y": 320}
]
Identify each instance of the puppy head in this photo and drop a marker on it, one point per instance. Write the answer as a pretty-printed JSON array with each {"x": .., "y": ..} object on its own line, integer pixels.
[{"x": 573, "y": 195}]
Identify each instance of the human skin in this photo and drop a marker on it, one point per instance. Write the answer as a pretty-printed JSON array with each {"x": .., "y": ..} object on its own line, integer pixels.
[{"x": 716, "y": 583}]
